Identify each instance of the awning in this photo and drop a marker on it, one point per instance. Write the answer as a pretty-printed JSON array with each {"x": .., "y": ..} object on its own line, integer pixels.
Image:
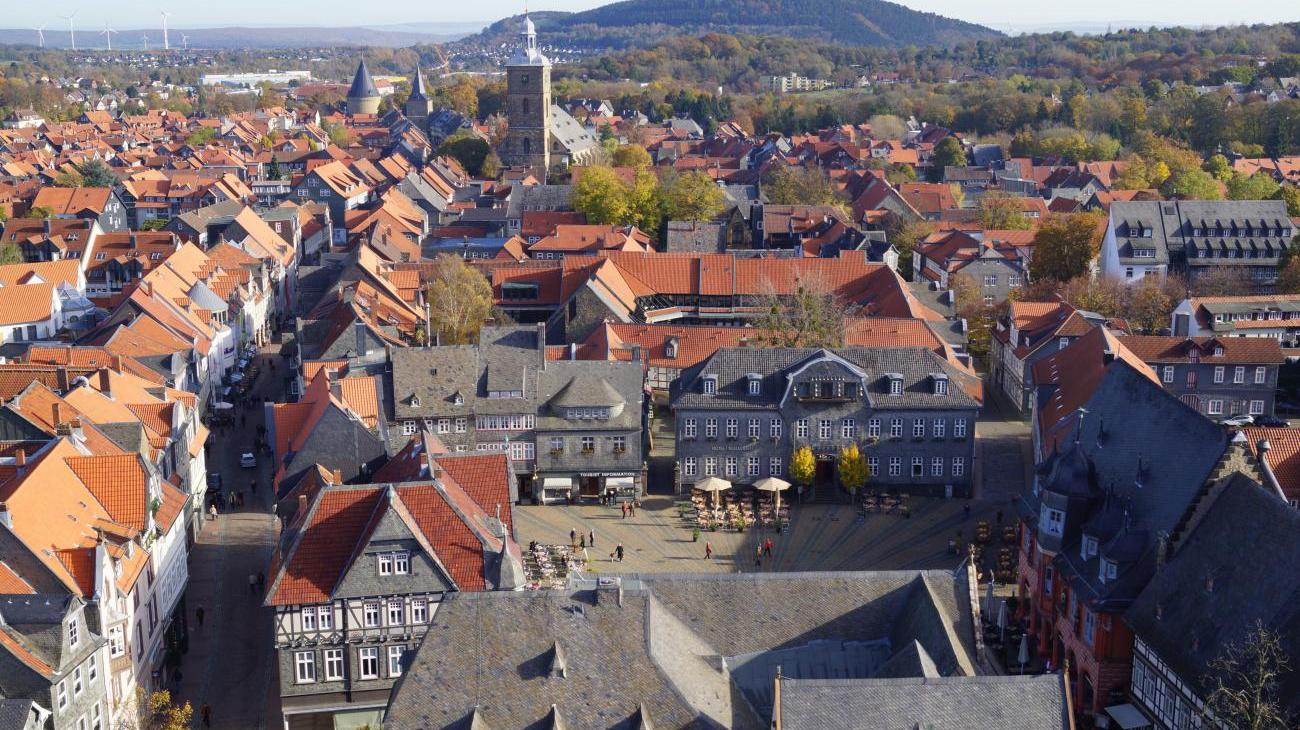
[
  {"x": 557, "y": 483},
  {"x": 357, "y": 719},
  {"x": 1128, "y": 717},
  {"x": 620, "y": 481}
]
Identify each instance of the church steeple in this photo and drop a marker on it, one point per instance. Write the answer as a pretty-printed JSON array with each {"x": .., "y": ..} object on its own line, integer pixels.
[
  {"x": 418, "y": 105},
  {"x": 417, "y": 86}
]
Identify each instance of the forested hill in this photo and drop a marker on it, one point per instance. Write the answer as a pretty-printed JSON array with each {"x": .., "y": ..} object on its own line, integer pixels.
[{"x": 640, "y": 22}]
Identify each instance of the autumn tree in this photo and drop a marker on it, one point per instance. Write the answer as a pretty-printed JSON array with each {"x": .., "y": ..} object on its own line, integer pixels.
[
  {"x": 692, "y": 197},
  {"x": 1246, "y": 680},
  {"x": 948, "y": 153},
  {"x": 645, "y": 209},
  {"x": 460, "y": 301},
  {"x": 1288, "y": 280},
  {"x": 1192, "y": 184},
  {"x": 10, "y": 254},
  {"x": 999, "y": 211},
  {"x": 601, "y": 195},
  {"x": 1149, "y": 305},
  {"x": 1219, "y": 167},
  {"x": 631, "y": 155},
  {"x": 159, "y": 712},
  {"x": 803, "y": 466},
  {"x": 1259, "y": 186},
  {"x": 1290, "y": 194},
  {"x": 903, "y": 234},
  {"x": 1217, "y": 281},
  {"x": 791, "y": 185},
  {"x": 853, "y": 469},
  {"x": 810, "y": 316},
  {"x": 1065, "y": 245},
  {"x": 968, "y": 302},
  {"x": 467, "y": 149}
]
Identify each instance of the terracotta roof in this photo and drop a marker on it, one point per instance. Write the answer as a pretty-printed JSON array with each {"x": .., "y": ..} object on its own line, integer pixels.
[
  {"x": 361, "y": 395},
  {"x": 485, "y": 478},
  {"x": 25, "y": 304},
  {"x": 70, "y": 201},
  {"x": 320, "y": 556},
  {"x": 1283, "y": 455},
  {"x": 1252, "y": 350},
  {"x": 118, "y": 482},
  {"x": 171, "y": 504},
  {"x": 11, "y": 582}
]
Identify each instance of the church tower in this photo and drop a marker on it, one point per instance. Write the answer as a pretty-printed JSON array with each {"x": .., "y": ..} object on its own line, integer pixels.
[
  {"x": 363, "y": 97},
  {"x": 418, "y": 105},
  {"x": 528, "y": 104}
]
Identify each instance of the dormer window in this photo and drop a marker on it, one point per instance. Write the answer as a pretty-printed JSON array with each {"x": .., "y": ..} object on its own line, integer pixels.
[
  {"x": 415, "y": 401},
  {"x": 458, "y": 399},
  {"x": 395, "y": 563},
  {"x": 1052, "y": 521},
  {"x": 1088, "y": 548},
  {"x": 670, "y": 348},
  {"x": 940, "y": 383},
  {"x": 754, "y": 383},
  {"x": 710, "y": 384},
  {"x": 1108, "y": 571},
  {"x": 895, "y": 383},
  {"x": 74, "y": 633}
]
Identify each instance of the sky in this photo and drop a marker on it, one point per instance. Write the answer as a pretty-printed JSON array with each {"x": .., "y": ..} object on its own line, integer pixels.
[{"x": 1000, "y": 14}]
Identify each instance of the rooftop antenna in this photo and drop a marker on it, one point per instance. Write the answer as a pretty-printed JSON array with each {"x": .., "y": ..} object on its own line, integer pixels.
[
  {"x": 40, "y": 35},
  {"x": 72, "y": 33},
  {"x": 108, "y": 32},
  {"x": 166, "y": 45}
]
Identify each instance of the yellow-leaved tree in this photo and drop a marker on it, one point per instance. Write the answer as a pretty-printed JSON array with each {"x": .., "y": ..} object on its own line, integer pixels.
[
  {"x": 803, "y": 466},
  {"x": 853, "y": 469}
]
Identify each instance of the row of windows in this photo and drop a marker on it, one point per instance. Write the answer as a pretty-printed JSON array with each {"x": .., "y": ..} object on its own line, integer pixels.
[
  {"x": 79, "y": 681},
  {"x": 1214, "y": 407},
  {"x": 1220, "y": 373},
  {"x": 373, "y": 613},
  {"x": 753, "y": 464},
  {"x": 826, "y": 428},
  {"x": 992, "y": 280},
  {"x": 587, "y": 444},
  {"x": 333, "y": 669}
]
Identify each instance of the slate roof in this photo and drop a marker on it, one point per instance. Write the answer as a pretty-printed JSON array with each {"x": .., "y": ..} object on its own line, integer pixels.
[
  {"x": 1248, "y": 543},
  {"x": 1174, "y": 225},
  {"x": 1035, "y": 702},
  {"x": 733, "y": 364},
  {"x": 653, "y": 645},
  {"x": 362, "y": 84}
]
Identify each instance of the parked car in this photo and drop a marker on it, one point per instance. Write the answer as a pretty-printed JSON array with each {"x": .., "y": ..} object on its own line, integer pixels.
[
  {"x": 1242, "y": 420},
  {"x": 248, "y": 460},
  {"x": 1271, "y": 422}
]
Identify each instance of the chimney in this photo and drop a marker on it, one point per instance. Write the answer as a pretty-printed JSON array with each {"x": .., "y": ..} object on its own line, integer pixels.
[
  {"x": 105, "y": 383},
  {"x": 117, "y": 363},
  {"x": 302, "y": 504},
  {"x": 20, "y": 457},
  {"x": 609, "y": 591},
  {"x": 338, "y": 476},
  {"x": 6, "y": 517},
  {"x": 58, "y": 414},
  {"x": 74, "y": 429},
  {"x": 61, "y": 373},
  {"x": 359, "y": 329},
  {"x": 541, "y": 345}
]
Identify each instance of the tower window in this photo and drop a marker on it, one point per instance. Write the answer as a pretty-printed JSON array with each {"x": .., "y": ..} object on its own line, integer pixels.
[
  {"x": 528, "y": 146},
  {"x": 523, "y": 80},
  {"x": 525, "y": 103}
]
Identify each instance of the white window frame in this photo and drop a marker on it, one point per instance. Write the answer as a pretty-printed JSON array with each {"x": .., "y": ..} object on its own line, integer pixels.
[
  {"x": 395, "y": 615},
  {"x": 368, "y": 655},
  {"x": 710, "y": 428},
  {"x": 304, "y": 667},
  {"x": 731, "y": 465},
  {"x": 1214, "y": 407},
  {"x": 755, "y": 387},
  {"x": 918, "y": 428},
  {"x": 333, "y": 660},
  {"x": 325, "y": 617},
  {"x": 372, "y": 614},
  {"x": 688, "y": 428},
  {"x": 918, "y": 466},
  {"x": 395, "y": 655},
  {"x": 755, "y": 429},
  {"x": 308, "y": 617},
  {"x": 752, "y": 466},
  {"x": 1261, "y": 375},
  {"x": 936, "y": 466},
  {"x": 848, "y": 428},
  {"x": 1219, "y": 372},
  {"x": 419, "y": 611},
  {"x": 408, "y": 428},
  {"x": 710, "y": 466},
  {"x": 958, "y": 466},
  {"x": 385, "y": 563},
  {"x": 444, "y": 425},
  {"x": 78, "y": 684},
  {"x": 1168, "y": 376},
  {"x": 401, "y": 563},
  {"x": 775, "y": 466},
  {"x": 1239, "y": 375},
  {"x": 959, "y": 428},
  {"x": 824, "y": 429},
  {"x": 896, "y": 428},
  {"x": 74, "y": 632},
  {"x": 774, "y": 428},
  {"x": 1257, "y": 408},
  {"x": 895, "y": 466},
  {"x": 688, "y": 466},
  {"x": 873, "y": 465},
  {"x": 61, "y": 691},
  {"x": 801, "y": 428},
  {"x": 939, "y": 427},
  {"x": 873, "y": 428},
  {"x": 733, "y": 428}
]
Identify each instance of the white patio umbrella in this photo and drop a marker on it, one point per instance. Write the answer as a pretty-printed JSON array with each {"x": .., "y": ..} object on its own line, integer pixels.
[
  {"x": 714, "y": 485},
  {"x": 1023, "y": 656},
  {"x": 988, "y": 603},
  {"x": 774, "y": 485},
  {"x": 1002, "y": 620}
]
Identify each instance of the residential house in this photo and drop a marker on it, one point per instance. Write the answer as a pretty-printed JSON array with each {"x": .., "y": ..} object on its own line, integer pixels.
[
  {"x": 360, "y": 572},
  {"x": 1218, "y": 376},
  {"x": 996, "y": 261},
  {"x": 1028, "y": 332},
  {"x": 742, "y": 413},
  {"x": 52, "y": 239},
  {"x": 52, "y": 654},
  {"x": 1192, "y": 237},
  {"x": 1224, "y": 574},
  {"x": 573, "y": 429},
  {"x": 96, "y": 204},
  {"x": 589, "y": 240},
  {"x": 120, "y": 260},
  {"x": 41, "y": 300},
  {"x": 336, "y": 186},
  {"x": 1119, "y": 462},
  {"x": 1276, "y": 316}
]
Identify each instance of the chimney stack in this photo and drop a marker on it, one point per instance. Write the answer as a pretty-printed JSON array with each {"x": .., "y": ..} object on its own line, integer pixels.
[
  {"x": 20, "y": 457},
  {"x": 105, "y": 382},
  {"x": 117, "y": 363},
  {"x": 61, "y": 374},
  {"x": 58, "y": 414},
  {"x": 6, "y": 517},
  {"x": 541, "y": 345},
  {"x": 302, "y": 504}
]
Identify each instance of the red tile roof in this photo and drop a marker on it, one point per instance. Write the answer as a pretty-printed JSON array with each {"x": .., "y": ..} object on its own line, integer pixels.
[
  {"x": 1252, "y": 350},
  {"x": 1283, "y": 455},
  {"x": 118, "y": 482}
]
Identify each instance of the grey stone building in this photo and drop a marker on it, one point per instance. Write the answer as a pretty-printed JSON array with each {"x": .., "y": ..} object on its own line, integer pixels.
[
  {"x": 52, "y": 654},
  {"x": 742, "y": 413},
  {"x": 1220, "y": 377},
  {"x": 571, "y": 428}
]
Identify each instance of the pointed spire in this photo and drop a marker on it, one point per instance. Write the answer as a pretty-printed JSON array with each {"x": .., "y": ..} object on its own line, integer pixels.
[
  {"x": 418, "y": 92},
  {"x": 559, "y": 667},
  {"x": 362, "y": 85}
]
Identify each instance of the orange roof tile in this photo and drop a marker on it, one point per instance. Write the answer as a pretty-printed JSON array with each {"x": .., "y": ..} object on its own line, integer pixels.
[
  {"x": 11, "y": 582},
  {"x": 118, "y": 482}
]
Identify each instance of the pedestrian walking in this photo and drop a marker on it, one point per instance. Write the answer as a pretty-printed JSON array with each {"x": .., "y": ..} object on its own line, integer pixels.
[
  {"x": 767, "y": 547},
  {"x": 708, "y": 551},
  {"x": 198, "y": 615},
  {"x": 591, "y": 538},
  {"x": 582, "y": 541},
  {"x": 623, "y": 506},
  {"x": 758, "y": 556},
  {"x": 631, "y": 509},
  {"x": 206, "y": 712},
  {"x": 619, "y": 552},
  {"x": 212, "y": 511},
  {"x": 573, "y": 538}
]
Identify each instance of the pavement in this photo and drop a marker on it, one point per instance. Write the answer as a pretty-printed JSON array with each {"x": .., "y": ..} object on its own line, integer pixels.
[{"x": 230, "y": 665}]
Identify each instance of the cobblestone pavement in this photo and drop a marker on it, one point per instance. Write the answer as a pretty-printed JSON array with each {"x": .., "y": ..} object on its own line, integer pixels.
[
  {"x": 820, "y": 537},
  {"x": 230, "y": 663}
]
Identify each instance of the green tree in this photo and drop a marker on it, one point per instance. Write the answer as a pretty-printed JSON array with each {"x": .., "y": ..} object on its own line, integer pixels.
[
  {"x": 692, "y": 197},
  {"x": 810, "y": 316},
  {"x": 491, "y": 167},
  {"x": 96, "y": 174},
  {"x": 853, "y": 469},
  {"x": 201, "y": 136},
  {"x": 467, "y": 149},
  {"x": 1219, "y": 167},
  {"x": 1192, "y": 185},
  {"x": 803, "y": 466},
  {"x": 69, "y": 179},
  {"x": 273, "y": 171},
  {"x": 948, "y": 153},
  {"x": 1259, "y": 186},
  {"x": 154, "y": 224},
  {"x": 10, "y": 254},
  {"x": 1291, "y": 195},
  {"x": 645, "y": 209},
  {"x": 1065, "y": 245},
  {"x": 789, "y": 185},
  {"x": 602, "y": 196},
  {"x": 631, "y": 155},
  {"x": 904, "y": 234}
]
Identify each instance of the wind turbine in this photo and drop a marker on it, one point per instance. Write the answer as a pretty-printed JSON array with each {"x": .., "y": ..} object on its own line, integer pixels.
[
  {"x": 72, "y": 33},
  {"x": 166, "y": 45},
  {"x": 185, "y": 41},
  {"x": 40, "y": 35},
  {"x": 145, "y": 39},
  {"x": 108, "y": 32}
]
